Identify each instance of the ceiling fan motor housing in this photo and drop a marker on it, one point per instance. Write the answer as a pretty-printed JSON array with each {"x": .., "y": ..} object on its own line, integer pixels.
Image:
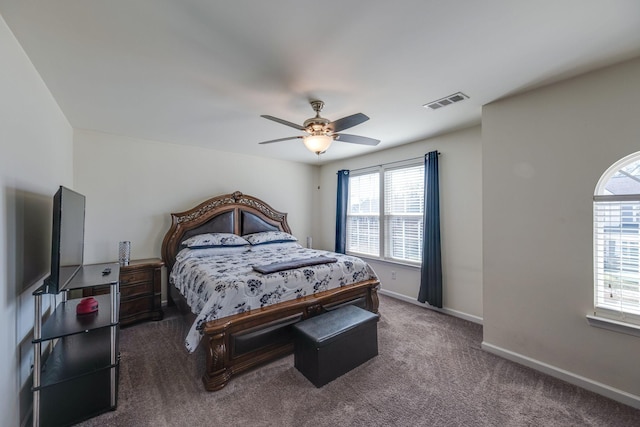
[{"x": 317, "y": 125}]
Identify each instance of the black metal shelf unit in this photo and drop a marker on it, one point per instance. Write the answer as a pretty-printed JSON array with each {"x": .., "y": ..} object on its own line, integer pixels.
[{"x": 77, "y": 377}]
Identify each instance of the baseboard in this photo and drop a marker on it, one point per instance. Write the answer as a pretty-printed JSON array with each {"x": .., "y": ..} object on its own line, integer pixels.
[
  {"x": 580, "y": 381},
  {"x": 454, "y": 313}
]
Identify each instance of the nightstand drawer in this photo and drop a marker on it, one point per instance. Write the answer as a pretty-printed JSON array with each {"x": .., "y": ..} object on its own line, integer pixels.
[
  {"x": 135, "y": 307},
  {"x": 136, "y": 289},
  {"x": 136, "y": 276}
]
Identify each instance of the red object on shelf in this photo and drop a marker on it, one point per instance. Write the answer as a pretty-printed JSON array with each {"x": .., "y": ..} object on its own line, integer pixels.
[{"x": 87, "y": 306}]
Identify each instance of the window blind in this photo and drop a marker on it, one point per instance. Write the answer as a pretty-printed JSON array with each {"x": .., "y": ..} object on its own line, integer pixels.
[
  {"x": 363, "y": 214},
  {"x": 617, "y": 255},
  {"x": 403, "y": 212}
]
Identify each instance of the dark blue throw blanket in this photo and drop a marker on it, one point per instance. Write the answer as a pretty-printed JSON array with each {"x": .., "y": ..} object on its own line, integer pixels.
[{"x": 292, "y": 264}]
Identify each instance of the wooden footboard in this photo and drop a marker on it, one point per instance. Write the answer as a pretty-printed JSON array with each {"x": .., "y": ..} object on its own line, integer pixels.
[{"x": 237, "y": 343}]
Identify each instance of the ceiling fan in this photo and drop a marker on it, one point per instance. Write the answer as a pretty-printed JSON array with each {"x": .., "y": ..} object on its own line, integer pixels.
[{"x": 321, "y": 132}]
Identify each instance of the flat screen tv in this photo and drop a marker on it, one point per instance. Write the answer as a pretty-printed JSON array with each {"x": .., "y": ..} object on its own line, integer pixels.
[{"x": 67, "y": 238}]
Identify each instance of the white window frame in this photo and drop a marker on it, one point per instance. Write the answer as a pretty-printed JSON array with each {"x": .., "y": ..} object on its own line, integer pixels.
[
  {"x": 383, "y": 239},
  {"x": 607, "y": 312}
]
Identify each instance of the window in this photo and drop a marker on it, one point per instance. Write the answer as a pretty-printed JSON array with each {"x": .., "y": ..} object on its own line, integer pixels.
[
  {"x": 403, "y": 209},
  {"x": 363, "y": 214},
  {"x": 397, "y": 192},
  {"x": 617, "y": 241}
]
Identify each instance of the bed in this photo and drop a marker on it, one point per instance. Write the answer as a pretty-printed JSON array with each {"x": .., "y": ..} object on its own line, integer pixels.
[{"x": 235, "y": 340}]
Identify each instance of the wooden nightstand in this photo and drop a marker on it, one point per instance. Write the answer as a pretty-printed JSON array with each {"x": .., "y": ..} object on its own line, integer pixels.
[{"x": 140, "y": 291}]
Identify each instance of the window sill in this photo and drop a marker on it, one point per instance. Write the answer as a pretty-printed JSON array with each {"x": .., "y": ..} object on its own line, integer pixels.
[
  {"x": 384, "y": 261},
  {"x": 613, "y": 325}
]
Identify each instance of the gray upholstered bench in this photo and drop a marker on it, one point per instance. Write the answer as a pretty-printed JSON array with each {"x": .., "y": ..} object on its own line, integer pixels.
[{"x": 333, "y": 343}]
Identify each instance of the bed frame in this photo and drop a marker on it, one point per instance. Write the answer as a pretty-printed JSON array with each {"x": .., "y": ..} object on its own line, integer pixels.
[{"x": 240, "y": 342}]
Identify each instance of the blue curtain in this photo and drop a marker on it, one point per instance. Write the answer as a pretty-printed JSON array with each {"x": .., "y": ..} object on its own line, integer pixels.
[
  {"x": 431, "y": 272},
  {"x": 341, "y": 211}
]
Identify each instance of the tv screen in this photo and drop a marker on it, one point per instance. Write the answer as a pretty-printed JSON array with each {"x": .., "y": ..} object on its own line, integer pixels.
[{"x": 67, "y": 240}]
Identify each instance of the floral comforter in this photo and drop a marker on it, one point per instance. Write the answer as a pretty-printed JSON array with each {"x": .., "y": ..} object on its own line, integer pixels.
[{"x": 221, "y": 285}]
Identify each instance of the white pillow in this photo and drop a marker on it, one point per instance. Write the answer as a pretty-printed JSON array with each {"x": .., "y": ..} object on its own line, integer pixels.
[
  {"x": 269, "y": 237},
  {"x": 206, "y": 252},
  {"x": 213, "y": 240},
  {"x": 274, "y": 245}
]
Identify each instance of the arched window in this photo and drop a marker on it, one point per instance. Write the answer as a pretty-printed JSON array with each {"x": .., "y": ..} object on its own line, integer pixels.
[{"x": 616, "y": 217}]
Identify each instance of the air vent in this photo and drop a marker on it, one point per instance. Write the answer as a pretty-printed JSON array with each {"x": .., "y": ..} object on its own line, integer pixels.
[{"x": 448, "y": 100}]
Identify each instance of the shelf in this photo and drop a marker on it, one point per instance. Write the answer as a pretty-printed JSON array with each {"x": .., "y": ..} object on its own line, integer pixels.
[
  {"x": 77, "y": 355},
  {"x": 74, "y": 401},
  {"x": 87, "y": 276},
  {"x": 64, "y": 321},
  {"x": 91, "y": 275}
]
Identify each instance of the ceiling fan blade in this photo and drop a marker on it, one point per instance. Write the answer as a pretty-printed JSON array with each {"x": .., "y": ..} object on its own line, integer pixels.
[
  {"x": 348, "y": 122},
  {"x": 284, "y": 122},
  {"x": 279, "y": 139},
  {"x": 356, "y": 139}
]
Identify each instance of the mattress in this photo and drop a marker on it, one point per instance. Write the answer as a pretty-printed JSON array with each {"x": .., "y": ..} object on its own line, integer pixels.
[{"x": 217, "y": 284}]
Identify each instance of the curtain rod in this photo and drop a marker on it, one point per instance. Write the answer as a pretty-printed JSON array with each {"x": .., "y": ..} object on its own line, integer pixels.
[{"x": 391, "y": 163}]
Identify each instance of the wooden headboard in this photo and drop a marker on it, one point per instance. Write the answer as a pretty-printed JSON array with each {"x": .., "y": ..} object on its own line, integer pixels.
[{"x": 234, "y": 213}]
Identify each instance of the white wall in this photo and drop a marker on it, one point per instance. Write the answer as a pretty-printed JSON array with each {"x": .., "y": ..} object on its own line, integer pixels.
[
  {"x": 543, "y": 153},
  {"x": 461, "y": 219},
  {"x": 36, "y": 157},
  {"x": 133, "y": 185}
]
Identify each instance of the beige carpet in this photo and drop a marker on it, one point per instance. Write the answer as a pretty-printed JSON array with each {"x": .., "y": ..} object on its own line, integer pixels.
[{"x": 430, "y": 371}]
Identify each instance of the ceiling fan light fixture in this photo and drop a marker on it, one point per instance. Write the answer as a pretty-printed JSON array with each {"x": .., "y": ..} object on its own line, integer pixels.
[{"x": 317, "y": 144}]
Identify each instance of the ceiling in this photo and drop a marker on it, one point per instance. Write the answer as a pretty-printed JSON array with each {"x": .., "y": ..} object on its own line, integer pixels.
[{"x": 201, "y": 72}]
